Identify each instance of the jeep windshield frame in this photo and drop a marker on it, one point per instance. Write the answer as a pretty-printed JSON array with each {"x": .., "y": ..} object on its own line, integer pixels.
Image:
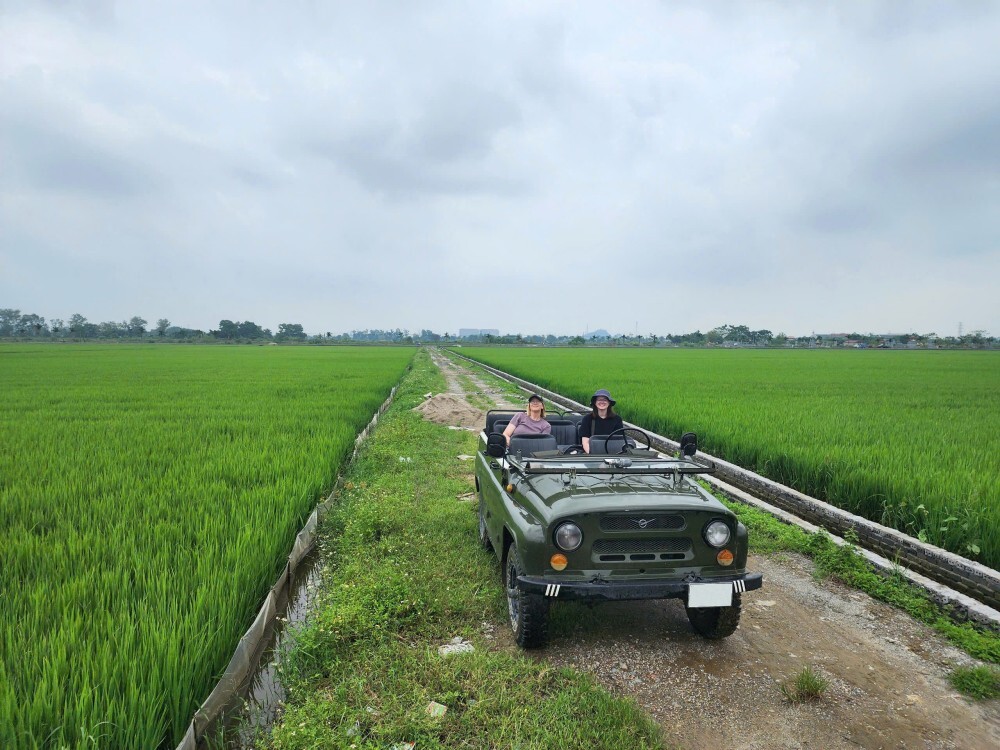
[{"x": 607, "y": 465}]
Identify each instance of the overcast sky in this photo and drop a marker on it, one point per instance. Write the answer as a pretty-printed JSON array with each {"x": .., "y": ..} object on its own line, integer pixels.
[{"x": 535, "y": 167}]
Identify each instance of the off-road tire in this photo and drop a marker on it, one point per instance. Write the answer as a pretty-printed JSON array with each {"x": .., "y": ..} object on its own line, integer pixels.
[
  {"x": 484, "y": 534},
  {"x": 529, "y": 613},
  {"x": 715, "y": 623}
]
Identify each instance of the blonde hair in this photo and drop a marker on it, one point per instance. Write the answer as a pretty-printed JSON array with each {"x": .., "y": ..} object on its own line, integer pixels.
[{"x": 527, "y": 408}]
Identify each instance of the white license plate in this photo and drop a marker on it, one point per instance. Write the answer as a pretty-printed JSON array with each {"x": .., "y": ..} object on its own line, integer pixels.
[{"x": 710, "y": 594}]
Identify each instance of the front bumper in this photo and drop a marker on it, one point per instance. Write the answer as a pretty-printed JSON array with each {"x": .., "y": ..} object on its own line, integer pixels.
[{"x": 626, "y": 590}]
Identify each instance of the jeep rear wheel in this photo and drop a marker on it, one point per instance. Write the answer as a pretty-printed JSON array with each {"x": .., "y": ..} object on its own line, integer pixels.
[
  {"x": 715, "y": 622},
  {"x": 529, "y": 613}
]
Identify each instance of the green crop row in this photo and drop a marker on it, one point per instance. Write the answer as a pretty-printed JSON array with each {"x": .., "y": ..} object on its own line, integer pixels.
[
  {"x": 907, "y": 439},
  {"x": 148, "y": 499}
]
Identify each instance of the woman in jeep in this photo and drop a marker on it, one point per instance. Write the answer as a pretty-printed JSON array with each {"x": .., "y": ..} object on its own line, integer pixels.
[
  {"x": 602, "y": 420},
  {"x": 531, "y": 422}
]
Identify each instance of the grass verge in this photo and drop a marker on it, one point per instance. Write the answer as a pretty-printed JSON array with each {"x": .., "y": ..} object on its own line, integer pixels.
[
  {"x": 404, "y": 575},
  {"x": 977, "y": 682}
]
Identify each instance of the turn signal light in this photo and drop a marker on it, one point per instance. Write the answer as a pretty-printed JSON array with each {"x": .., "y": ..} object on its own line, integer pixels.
[
  {"x": 558, "y": 561},
  {"x": 510, "y": 488},
  {"x": 725, "y": 557}
]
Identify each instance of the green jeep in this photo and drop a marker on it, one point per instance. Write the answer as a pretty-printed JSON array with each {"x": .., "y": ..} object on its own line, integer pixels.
[{"x": 622, "y": 522}]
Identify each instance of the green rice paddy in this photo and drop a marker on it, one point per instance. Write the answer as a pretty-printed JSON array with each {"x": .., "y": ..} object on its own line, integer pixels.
[
  {"x": 148, "y": 498},
  {"x": 906, "y": 438}
]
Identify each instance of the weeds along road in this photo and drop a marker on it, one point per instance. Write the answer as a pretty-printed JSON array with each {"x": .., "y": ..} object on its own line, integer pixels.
[{"x": 887, "y": 673}]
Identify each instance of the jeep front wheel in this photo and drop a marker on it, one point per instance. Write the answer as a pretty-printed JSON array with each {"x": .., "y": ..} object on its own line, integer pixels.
[
  {"x": 529, "y": 613},
  {"x": 715, "y": 622},
  {"x": 484, "y": 534}
]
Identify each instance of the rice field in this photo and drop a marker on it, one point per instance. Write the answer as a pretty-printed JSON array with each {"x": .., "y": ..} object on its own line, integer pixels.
[
  {"x": 148, "y": 498},
  {"x": 906, "y": 438}
]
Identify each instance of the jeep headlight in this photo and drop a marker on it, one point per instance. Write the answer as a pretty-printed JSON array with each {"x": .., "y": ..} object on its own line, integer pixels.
[
  {"x": 717, "y": 534},
  {"x": 568, "y": 536}
]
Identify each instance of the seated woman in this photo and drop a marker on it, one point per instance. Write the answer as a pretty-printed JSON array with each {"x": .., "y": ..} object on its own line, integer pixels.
[
  {"x": 531, "y": 422},
  {"x": 602, "y": 421}
]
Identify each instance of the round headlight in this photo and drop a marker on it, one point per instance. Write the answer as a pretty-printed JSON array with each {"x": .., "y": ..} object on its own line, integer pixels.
[
  {"x": 717, "y": 533},
  {"x": 568, "y": 536}
]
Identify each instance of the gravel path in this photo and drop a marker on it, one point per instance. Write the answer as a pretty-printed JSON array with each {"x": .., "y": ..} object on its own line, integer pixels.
[{"x": 488, "y": 389}]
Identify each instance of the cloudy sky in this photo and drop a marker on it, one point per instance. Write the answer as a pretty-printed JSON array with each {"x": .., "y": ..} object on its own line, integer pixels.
[{"x": 536, "y": 167}]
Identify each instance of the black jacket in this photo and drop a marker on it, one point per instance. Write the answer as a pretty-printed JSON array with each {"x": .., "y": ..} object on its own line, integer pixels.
[{"x": 600, "y": 426}]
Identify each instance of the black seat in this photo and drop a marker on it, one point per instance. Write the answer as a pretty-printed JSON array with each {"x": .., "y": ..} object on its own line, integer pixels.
[
  {"x": 498, "y": 415},
  {"x": 600, "y": 446},
  {"x": 500, "y": 425},
  {"x": 565, "y": 432},
  {"x": 528, "y": 445}
]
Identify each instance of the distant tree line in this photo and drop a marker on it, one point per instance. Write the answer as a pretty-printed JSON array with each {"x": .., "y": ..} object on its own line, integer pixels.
[
  {"x": 737, "y": 336},
  {"x": 14, "y": 324},
  {"x": 27, "y": 326}
]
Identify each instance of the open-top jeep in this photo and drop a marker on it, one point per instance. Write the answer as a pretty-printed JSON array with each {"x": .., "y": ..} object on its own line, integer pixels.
[{"x": 622, "y": 522}]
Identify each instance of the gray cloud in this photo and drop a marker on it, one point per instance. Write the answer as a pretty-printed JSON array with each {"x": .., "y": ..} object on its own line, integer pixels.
[
  {"x": 49, "y": 160},
  {"x": 960, "y": 150}
]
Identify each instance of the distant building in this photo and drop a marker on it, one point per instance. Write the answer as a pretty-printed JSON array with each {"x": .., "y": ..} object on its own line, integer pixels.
[{"x": 467, "y": 333}]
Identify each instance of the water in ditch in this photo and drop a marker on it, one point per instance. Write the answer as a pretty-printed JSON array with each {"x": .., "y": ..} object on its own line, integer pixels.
[{"x": 261, "y": 697}]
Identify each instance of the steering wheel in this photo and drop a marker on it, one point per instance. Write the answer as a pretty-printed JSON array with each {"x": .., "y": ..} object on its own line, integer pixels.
[
  {"x": 572, "y": 450},
  {"x": 631, "y": 432}
]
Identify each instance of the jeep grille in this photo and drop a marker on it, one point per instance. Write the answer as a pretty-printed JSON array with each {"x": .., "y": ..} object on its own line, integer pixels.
[
  {"x": 636, "y": 522},
  {"x": 641, "y": 550}
]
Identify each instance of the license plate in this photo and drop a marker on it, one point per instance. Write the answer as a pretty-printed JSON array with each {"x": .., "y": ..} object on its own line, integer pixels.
[{"x": 710, "y": 594}]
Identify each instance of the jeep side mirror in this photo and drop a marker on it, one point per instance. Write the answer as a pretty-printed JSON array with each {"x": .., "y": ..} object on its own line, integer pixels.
[
  {"x": 689, "y": 444},
  {"x": 496, "y": 445}
]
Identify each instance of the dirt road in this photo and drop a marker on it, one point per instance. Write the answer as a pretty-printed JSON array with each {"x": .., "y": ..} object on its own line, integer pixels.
[{"x": 887, "y": 673}]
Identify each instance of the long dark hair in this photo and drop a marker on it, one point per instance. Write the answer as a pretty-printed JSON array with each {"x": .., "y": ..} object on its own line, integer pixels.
[{"x": 611, "y": 411}]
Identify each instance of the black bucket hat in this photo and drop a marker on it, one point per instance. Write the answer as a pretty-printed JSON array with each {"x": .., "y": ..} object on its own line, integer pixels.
[{"x": 602, "y": 392}]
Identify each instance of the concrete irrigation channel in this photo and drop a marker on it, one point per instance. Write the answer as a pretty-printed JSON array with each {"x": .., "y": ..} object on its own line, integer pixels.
[{"x": 969, "y": 590}]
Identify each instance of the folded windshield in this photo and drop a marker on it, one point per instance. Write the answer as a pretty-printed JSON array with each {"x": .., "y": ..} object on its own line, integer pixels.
[{"x": 583, "y": 464}]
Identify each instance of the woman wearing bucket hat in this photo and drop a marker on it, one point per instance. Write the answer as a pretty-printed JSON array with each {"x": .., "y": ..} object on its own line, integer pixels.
[
  {"x": 602, "y": 420},
  {"x": 531, "y": 421}
]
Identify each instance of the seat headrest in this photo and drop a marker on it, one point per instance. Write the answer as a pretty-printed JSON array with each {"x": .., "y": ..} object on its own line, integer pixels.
[
  {"x": 529, "y": 444},
  {"x": 599, "y": 445}
]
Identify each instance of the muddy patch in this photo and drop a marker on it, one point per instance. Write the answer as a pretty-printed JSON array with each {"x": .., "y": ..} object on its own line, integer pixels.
[{"x": 450, "y": 409}]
